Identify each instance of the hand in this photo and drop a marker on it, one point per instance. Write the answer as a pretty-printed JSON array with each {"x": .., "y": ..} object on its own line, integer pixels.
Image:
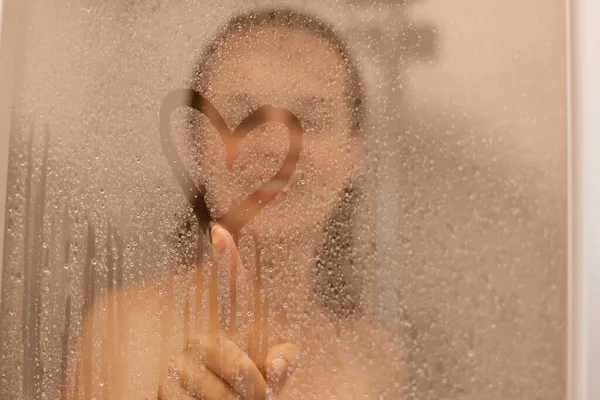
[{"x": 214, "y": 366}]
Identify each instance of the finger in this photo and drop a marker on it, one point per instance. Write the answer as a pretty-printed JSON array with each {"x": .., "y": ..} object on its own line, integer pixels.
[
  {"x": 201, "y": 382},
  {"x": 233, "y": 283},
  {"x": 229, "y": 362},
  {"x": 174, "y": 392},
  {"x": 280, "y": 362},
  {"x": 170, "y": 389},
  {"x": 223, "y": 279}
]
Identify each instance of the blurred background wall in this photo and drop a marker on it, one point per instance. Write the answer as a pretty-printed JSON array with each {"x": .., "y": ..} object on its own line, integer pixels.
[{"x": 484, "y": 278}]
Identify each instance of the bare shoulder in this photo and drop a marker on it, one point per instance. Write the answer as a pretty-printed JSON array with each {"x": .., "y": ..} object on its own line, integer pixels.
[
  {"x": 126, "y": 339},
  {"x": 371, "y": 336},
  {"x": 380, "y": 355},
  {"x": 142, "y": 307}
]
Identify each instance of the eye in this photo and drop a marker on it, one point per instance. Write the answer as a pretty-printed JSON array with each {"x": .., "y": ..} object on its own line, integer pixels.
[{"x": 315, "y": 115}]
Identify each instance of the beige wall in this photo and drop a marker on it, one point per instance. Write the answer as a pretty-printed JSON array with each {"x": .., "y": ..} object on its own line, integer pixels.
[{"x": 483, "y": 226}]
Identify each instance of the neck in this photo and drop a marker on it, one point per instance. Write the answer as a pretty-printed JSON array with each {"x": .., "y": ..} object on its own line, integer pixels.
[{"x": 287, "y": 268}]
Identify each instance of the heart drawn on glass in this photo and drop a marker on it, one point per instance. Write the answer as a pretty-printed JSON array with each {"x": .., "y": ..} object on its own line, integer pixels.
[{"x": 244, "y": 209}]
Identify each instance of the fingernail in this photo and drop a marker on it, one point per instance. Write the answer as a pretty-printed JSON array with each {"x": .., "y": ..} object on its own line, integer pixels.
[
  {"x": 278, "y": 366},
  {"x": 218, "y": 239}
]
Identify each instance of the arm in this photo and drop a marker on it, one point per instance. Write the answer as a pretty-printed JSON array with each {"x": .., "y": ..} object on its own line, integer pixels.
[{"x": 126, "y": 351}]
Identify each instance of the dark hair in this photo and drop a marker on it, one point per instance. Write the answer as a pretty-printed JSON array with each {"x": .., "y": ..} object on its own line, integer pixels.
[
  {"x": 334, "y": 286},
  {"x": 294, "y": 20}
]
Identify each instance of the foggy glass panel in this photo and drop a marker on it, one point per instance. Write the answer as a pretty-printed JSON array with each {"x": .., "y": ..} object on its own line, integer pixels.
[{"x": 391, "y": 174}]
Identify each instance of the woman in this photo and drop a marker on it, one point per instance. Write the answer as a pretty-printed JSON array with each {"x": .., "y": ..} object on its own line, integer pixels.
[{"x": 278, "y": 334}]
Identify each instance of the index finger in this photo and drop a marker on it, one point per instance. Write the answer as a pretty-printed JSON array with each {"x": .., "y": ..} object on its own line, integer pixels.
[
  {"x": 234, "y": 287},
  {"x": 230, "y": 363}
]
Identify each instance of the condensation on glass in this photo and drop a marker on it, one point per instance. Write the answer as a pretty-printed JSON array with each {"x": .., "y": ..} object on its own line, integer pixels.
[{"x": 416, "y": 248}]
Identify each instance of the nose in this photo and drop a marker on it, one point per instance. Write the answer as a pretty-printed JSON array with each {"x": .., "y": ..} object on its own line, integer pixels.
[
  {"x": 264, "y": 150},
  {"x": 271, "y": 142},
  {"x": 268, "y": 142},
  {"x": 274, "y": 139}
]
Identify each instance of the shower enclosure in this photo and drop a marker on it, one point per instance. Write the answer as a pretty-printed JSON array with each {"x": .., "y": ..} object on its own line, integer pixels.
[{"x": 475, "y": 218}]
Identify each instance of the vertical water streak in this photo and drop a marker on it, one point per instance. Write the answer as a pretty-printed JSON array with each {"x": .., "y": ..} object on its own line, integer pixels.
[
  {"x": 120, "y": 308},
  {"x": 63, "y": 282},
  {"x": 64, "y": 357},
  {"x": 88, "y": 301},
  {"x": 33, "y": 264},
  {"x": 109, "y": 371},
  {"x": 41, "y": 262},
  {"x": 26, "y": 307}
]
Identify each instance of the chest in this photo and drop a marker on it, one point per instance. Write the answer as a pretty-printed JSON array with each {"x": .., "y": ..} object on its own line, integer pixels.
[
  {"x": 327, "y": 371},
  {"x": 326, "y": 383}
]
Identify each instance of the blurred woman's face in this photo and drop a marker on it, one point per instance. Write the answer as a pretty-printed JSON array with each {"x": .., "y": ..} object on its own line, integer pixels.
[{"x": 299, "y": 72}]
